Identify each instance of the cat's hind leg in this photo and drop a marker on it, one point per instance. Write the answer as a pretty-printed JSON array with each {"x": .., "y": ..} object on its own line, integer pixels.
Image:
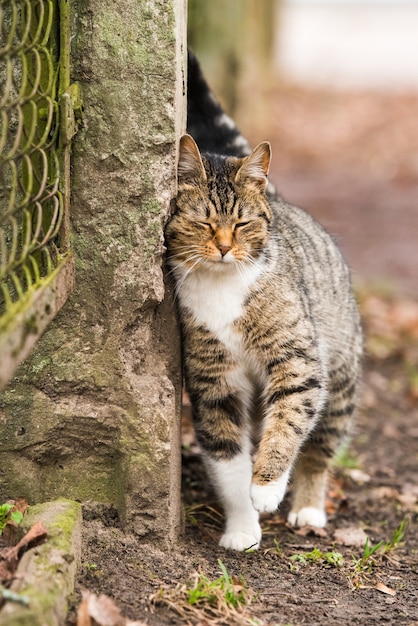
[
  {"x": 311, "y": 470},
  {"x": 309, "y": 489}
]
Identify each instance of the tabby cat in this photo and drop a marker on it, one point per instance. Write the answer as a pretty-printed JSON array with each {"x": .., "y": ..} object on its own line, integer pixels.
[{"x": 271, "y": 337}]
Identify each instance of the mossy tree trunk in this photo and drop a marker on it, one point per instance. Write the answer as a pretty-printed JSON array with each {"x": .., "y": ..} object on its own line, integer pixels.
[{"x": 93, "y": 413}]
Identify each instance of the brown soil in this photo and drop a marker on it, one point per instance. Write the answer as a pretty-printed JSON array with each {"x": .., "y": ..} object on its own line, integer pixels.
[{"x": 365, "y": 197}]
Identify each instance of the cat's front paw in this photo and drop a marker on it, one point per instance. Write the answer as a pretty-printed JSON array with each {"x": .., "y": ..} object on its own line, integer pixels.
[
  {"x": 266, "y": 498},
  {"x": 242, "y": 532},
  {"x": 240, "y": 541},
  {"x": 308, "y": 516}
]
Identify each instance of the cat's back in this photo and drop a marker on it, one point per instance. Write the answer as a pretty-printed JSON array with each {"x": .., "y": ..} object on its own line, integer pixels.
[
  {"x": 307, "y": 253},
  {"x": 307, "y": 273}
]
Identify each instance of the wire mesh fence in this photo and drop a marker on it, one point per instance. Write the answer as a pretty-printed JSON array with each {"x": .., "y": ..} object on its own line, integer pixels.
[{"x": 32, "y": 173}]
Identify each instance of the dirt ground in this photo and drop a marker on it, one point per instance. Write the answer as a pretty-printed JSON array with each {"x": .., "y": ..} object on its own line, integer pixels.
[{"x": 352, "y": 160}]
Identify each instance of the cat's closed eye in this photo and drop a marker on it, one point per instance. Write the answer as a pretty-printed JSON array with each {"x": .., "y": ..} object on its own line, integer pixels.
[
  {"x": 241, "y": 225},
  {"x": 210, "y": 228}
]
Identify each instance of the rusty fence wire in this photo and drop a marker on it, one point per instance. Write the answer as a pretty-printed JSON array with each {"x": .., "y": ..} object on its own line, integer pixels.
[{"x": 36, "y": 266}]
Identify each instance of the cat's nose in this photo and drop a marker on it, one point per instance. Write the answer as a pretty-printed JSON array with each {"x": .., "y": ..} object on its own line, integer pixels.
[{"x": 224, "y": 249}]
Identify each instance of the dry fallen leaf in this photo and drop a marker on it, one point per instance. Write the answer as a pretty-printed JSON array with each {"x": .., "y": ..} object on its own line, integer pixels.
[
  {"x": 21, "y": 504},
  {"x": 391, "y": 431},
  {"x": 408, "y": 501},
  {"x": 409, "y": 496},
  {"x": 385, "y": 492},
  {"x": 9, "y": 557},
  {"x": 391, "y": 319},
  {"x": 331, "y": 507},
  {"x": 307, "y": 531},
  {"x": 358, "y": 475},
  {"x": 350, "y": 536},
  {"x": 384, "y": 589},
  {"x": 83, "y": 617},
  {"x": 101, "y": 611}
]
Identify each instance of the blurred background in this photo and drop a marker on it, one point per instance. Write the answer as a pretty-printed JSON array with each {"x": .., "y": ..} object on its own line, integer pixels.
[{"x": 333, "y": 85}]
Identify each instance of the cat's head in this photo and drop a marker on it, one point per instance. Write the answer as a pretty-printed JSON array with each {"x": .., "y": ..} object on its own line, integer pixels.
[{"x": 222, "y": 215}]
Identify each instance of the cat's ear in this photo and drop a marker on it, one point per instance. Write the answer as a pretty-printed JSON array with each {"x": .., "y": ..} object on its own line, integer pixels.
[
  {"x": 255, "y": 167},
  {"x": 190, "y": 168}
]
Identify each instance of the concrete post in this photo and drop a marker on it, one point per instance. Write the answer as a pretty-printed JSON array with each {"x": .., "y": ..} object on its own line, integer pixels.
[{"x": 94, "y": 412}]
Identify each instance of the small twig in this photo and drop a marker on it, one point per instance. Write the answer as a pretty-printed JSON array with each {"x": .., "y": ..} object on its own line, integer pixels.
[
  {"x": 276, "y": 593},
  {"x": 11, "y": 596}
]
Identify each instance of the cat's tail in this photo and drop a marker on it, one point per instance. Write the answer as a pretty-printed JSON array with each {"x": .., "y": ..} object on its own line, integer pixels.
[
  {"x": 207, "y": 122},
  {"x": 213, "y": 130}
]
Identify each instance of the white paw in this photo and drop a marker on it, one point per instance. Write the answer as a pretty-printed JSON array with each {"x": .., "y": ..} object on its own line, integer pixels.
[
  {"x": 266, "y": 498},
  {"x": 308, "y": 516},
  {"x": 240, "y": 540}
]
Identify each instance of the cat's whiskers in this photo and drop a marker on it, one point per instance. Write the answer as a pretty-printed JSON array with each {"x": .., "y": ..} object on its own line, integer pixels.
[
  {"x": 188, "y": 246},
  {"x": 180, "y": 282},
  {"x": 239, "y": 268},
  {"x": 184, "y": 265},
  {"x": 183, "y": 254},
  {"x": 248, "y": 261},
  {"x": 186, "y": 260},
  {"x": 189, "y": 252}
]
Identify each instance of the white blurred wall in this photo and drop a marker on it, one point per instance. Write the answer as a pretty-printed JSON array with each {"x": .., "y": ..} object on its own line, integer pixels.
[{"x": 349, "y": 42}]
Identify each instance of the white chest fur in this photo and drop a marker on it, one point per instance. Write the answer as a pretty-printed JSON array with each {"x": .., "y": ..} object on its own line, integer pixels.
[{"x": 217, "y": 298}]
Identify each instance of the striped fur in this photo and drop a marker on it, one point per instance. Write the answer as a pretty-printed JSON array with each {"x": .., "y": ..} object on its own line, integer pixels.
[{"x": 271, "y": 338}]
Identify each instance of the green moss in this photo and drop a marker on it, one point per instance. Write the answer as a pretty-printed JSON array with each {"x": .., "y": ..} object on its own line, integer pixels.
[
  {"x": 104, "y": 482},
  {"x": 125, "y": 443},
  {"x": 28, "y": 618},
  {"x": 120, "y": 39},
  {"x": 24, "y": 307},
  {"x": 39, "y": 363},
  {"x": 15, "y": 398},
  {"x": 151, "y": 206},
  {"x": 61, "y": 524},
  {"x": 50, "y": 570}
]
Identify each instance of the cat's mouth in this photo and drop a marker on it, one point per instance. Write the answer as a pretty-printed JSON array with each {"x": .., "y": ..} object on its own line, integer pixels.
[
  {"x": 220, "y": 263},
  {"x": 224, "y": 259},
  {"x": 229, "y": 258}
]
